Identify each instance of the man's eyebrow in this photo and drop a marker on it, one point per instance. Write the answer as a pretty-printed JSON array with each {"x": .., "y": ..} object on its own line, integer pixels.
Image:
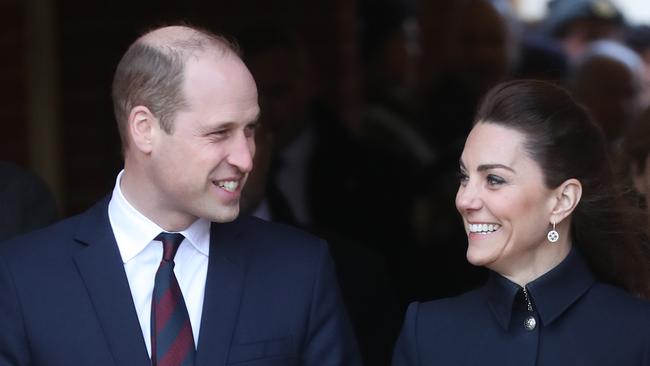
[
  {"x": 217, "y": 126},
  {"x": 228, "y": 124}
]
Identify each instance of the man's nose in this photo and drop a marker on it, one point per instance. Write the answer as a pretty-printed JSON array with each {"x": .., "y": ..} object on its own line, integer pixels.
[{"x": 241, "y": 153}]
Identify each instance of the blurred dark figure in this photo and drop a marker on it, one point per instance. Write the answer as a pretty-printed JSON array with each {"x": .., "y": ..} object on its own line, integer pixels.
[
  {"x": 390, "y": 50},
  {"x": 485, "y": 51},
  {"x": 636, "y": 159},
  {"x": 26, "y": 202},
  {"x": 365, "y": 284},
  {"x": 286, "y": 93},
  {"x": 607, "y": 80},
  {"x": 308, "y": 171},
  {"x": 576, "y": 23},
  {"x": 638, "y": 39},
  {"x": 310, "y": 144},
  {"x": 634, "y": 168},
  {"x": 541, "y": 58},
  {"x": 332, "y": 181},
  {"x": 483, "y": 56},
  {"x": 260, "y": 198}
]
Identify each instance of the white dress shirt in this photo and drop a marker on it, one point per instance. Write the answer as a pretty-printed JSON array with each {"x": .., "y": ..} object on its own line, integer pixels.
[{"x": 141, "y": 256}]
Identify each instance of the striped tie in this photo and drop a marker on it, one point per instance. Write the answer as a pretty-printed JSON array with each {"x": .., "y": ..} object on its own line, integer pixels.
[{"x": 172, "y": 342}]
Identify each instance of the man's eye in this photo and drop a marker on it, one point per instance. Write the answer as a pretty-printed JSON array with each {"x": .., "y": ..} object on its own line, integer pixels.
[{"x": 250, "y": 130}]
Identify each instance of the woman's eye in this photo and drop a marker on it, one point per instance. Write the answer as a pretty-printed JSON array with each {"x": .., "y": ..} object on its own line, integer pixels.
[
  {"x": 462, "y": 177},
  {"x": 495, "y": 180}
]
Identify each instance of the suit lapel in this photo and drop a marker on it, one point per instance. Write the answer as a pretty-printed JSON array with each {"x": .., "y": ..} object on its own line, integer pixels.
[
  {"x": 223, "y": 291},
  {"x": 102, "y": 270}
]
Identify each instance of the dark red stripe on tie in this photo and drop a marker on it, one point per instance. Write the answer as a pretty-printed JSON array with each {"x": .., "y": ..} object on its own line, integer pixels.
[
  {"x": 165, "y": 308},
  {"x": 179, "y": 351},
  {"x": 172, "y": 341}
]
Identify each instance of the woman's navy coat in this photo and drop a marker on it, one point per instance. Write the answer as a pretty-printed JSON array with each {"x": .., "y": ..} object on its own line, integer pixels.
[{"x": 578, "y": 321}]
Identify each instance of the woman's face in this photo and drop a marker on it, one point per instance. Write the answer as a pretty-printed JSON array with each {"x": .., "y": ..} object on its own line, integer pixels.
[{"x": 503, "y": 200}]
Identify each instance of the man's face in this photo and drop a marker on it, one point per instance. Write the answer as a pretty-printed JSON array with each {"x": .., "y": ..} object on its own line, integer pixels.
[{"x": 200, "y": 168}]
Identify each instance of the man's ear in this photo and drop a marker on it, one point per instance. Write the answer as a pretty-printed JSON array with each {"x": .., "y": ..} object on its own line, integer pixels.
[
  {"x": 566, "y": 196},
  {"x": 141, "y": 126}
]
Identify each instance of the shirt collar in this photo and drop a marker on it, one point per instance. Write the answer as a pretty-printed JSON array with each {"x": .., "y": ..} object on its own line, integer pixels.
[
  {"x": 133, "y": 231},
  {"x": 552, "y": 293}
]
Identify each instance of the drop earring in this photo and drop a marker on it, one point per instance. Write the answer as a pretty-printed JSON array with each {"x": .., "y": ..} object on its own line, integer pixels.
[{"x": 553, "y": 235}]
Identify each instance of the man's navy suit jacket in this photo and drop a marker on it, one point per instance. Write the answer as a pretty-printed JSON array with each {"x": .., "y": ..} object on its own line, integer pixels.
[{"x": 271, "y": 298}]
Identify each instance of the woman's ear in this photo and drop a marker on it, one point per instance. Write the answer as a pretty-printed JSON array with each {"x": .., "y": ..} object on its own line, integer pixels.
[
  {"x": 567, "y": 196},
  {"x": 141, "y": 125}
]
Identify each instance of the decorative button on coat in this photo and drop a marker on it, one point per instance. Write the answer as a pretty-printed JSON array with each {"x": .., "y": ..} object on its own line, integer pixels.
[{"x": 530, "y": 323}]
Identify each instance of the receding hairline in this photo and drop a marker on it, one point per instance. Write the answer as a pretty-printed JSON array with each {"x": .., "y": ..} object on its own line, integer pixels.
[
  {"x": 152, "y": 70},
  {"x": 187, "y": 41}
]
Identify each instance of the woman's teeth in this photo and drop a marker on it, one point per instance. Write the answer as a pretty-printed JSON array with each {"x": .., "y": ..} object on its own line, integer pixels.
[{"x": 483, "y": 228}]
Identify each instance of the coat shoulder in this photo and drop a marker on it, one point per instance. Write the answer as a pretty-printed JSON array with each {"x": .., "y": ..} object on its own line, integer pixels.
[
  {"x": 274, "y": 237},
  {"x": 616, "y": 300},
  {"x": 453, "y": 314},
  {"x": 465, "y": 302}
]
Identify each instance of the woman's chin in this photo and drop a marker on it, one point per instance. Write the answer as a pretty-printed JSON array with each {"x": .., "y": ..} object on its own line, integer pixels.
[{"x": 476, "y": 259}]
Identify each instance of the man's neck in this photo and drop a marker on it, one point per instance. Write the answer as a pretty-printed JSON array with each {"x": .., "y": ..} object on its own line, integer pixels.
[{"x": 143, "y": 198}]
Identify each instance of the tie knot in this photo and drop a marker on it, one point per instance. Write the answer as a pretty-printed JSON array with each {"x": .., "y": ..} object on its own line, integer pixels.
[{"x": 171, "y": 242}]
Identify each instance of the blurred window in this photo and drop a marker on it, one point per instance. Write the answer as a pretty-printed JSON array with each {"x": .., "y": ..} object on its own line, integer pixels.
[{"x": 635, "y": 11}]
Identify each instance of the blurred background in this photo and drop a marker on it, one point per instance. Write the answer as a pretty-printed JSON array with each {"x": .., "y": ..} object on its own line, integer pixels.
[{"x": 365, "y": 108}]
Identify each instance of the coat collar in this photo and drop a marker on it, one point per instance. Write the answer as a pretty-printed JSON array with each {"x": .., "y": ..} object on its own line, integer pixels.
[
  {"x": 223, "y": 292},
  {"x": 102, "y": 271},
  {"x": 552, "y": 293}
]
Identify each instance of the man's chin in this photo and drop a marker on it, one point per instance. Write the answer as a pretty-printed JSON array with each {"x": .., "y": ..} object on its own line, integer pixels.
[{"x": 225, "y": 214}]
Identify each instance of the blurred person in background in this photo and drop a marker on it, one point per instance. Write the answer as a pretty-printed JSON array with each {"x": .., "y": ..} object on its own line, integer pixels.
[
  {"x": 608, "y": 79},
  {"x": 310, "y": 172},
  {"x": 332, "y": 180},
  {"x": 638, "y": 38},
  {"x": 26, "y": 201},
  {"x": 636, "y": 159},
  {"x": 389, "y": 52},
  {"x": 483, "y": 50},
  {"x": 577, "y": 23}
]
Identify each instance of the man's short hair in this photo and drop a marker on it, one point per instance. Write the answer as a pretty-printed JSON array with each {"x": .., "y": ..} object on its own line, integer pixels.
[{"x": 151, "y": 74}]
